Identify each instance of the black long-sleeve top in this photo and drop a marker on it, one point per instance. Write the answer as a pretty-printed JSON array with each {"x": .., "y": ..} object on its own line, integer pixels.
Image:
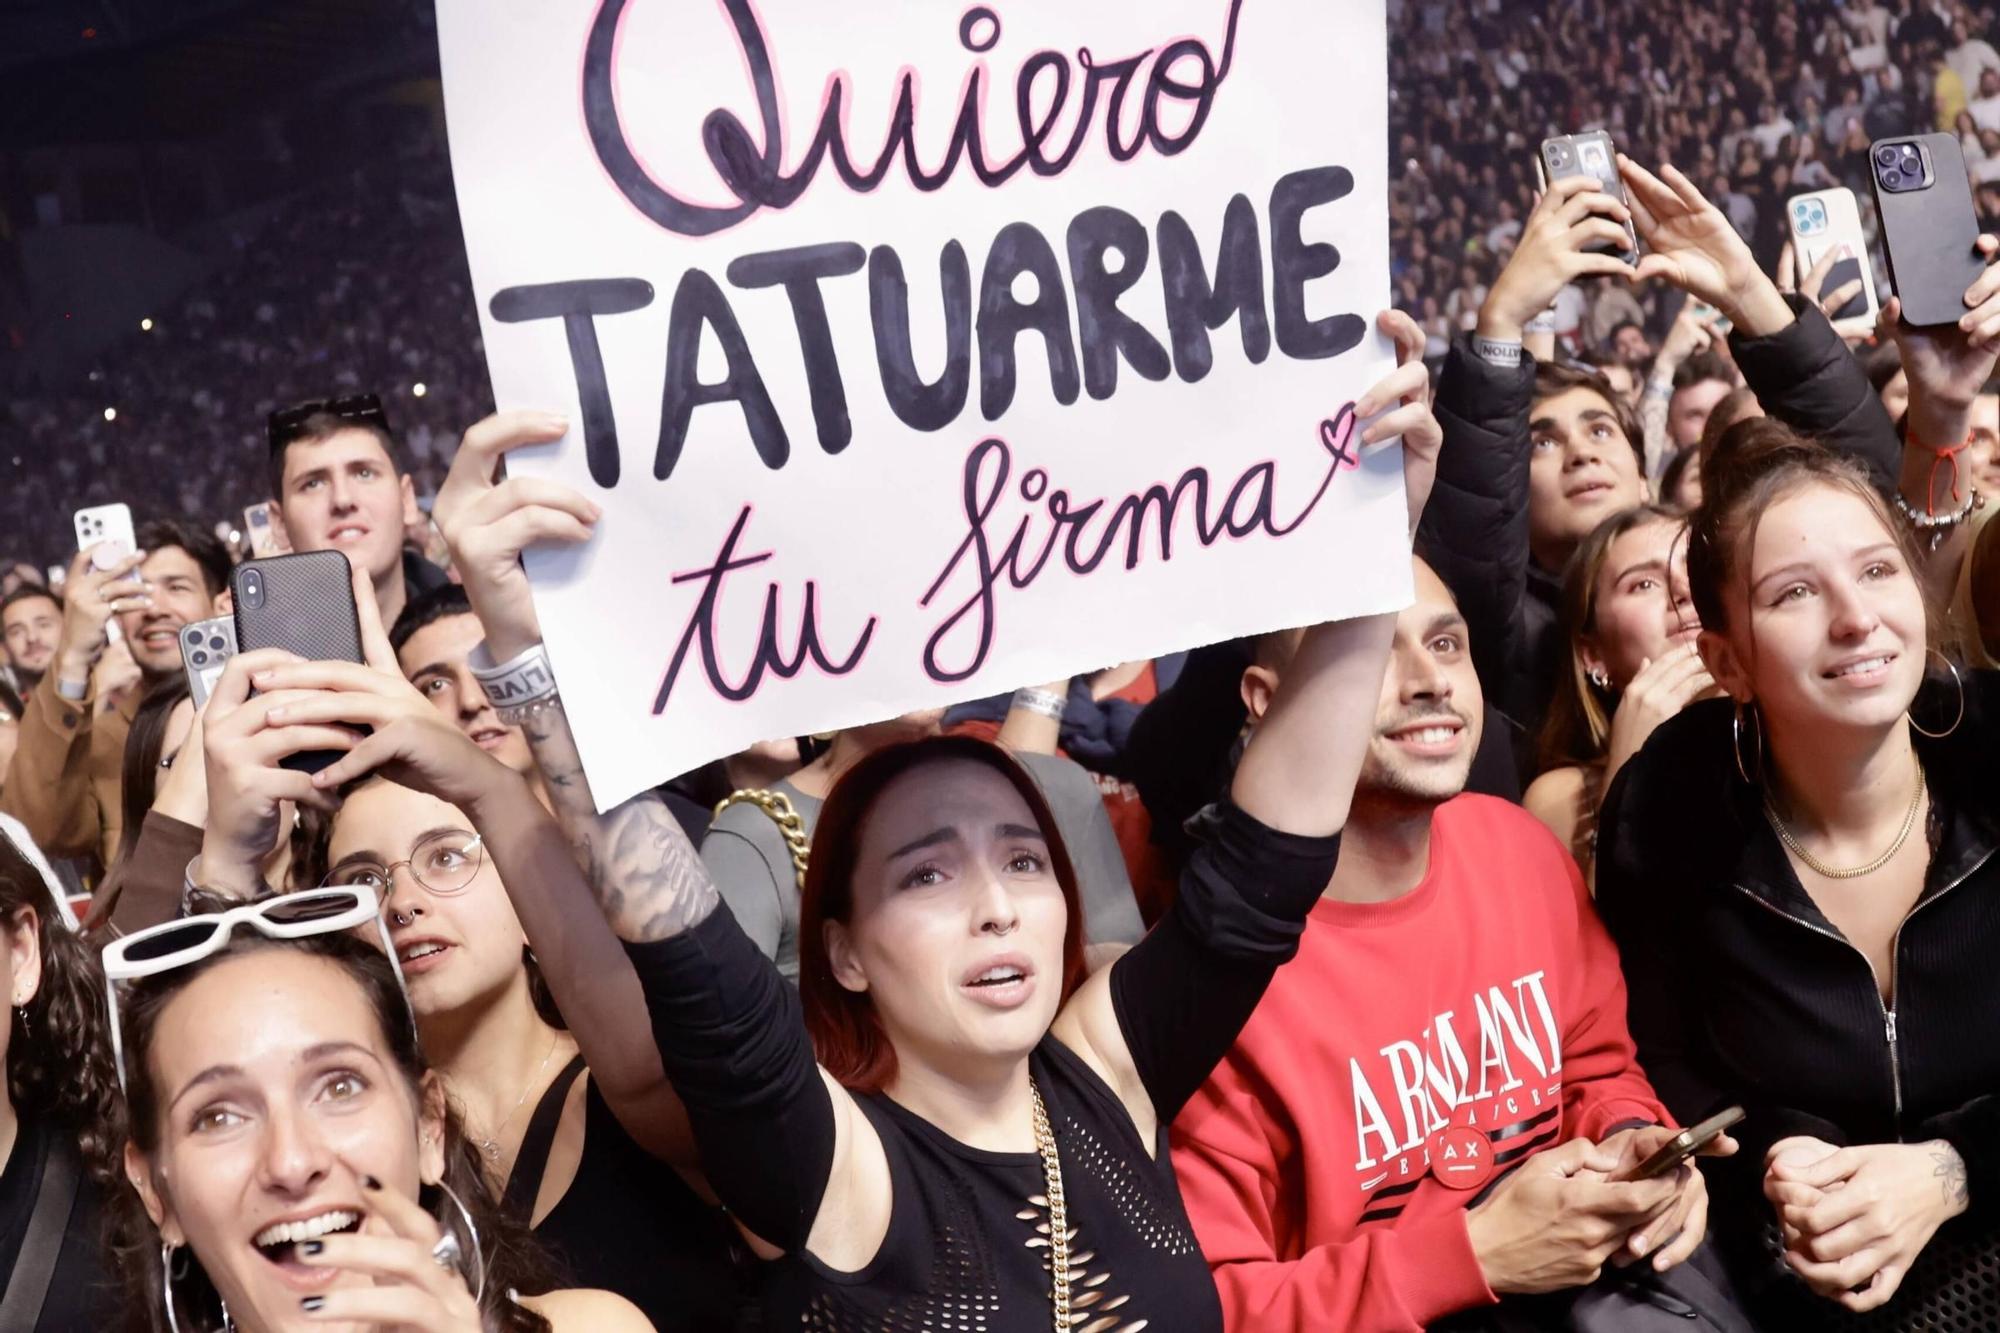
[
  {"x": 1742, "y": 991},
  {"x": 1474, "y": 531},
  {"x": 967, "y": 1239}
]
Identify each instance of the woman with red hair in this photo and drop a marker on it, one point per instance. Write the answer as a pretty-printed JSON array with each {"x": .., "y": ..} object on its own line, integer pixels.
[{"x": 948, "y": 1125}]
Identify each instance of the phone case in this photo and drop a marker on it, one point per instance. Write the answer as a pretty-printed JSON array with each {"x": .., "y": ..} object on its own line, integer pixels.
[
  {"x": 1929, "y": 231},
  {"x": 304, "y": 604},
  {"x": 110, "y": 526},
  {"x": 1589, "y": 154},
  {"x": 206, "y": 647},
  {"x": 1821, "y": 221}
]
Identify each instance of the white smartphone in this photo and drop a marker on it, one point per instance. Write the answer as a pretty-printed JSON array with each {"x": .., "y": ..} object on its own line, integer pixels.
[
  {"x": 109, "y": 529},
  {"x": 206, "y": 647},
  {"x": 1820, "y": 222}
]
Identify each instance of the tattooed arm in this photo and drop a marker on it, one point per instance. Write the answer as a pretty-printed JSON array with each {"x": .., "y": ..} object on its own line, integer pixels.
[{"x": 647, "y": 876}]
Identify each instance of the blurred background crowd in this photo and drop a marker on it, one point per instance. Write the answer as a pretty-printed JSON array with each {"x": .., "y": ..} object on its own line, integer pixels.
[{"x": 328, "y": 257}]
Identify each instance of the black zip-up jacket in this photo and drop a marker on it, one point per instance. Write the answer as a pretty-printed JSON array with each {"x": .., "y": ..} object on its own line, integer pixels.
[
  {"x": 1474, "y": 531},
  {"x": 1741, "y": 991}
]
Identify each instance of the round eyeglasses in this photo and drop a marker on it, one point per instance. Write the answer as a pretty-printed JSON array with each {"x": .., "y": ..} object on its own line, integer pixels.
[{"x": 442, "y": 863}]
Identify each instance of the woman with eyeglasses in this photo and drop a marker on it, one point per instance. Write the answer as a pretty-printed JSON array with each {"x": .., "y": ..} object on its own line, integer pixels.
[
  {"x": 56, "y": 1145},
  {"x": 434, "y": 845},
  {"x": 947, "y": 1125},
  {"x": 294, "y": 1162}
]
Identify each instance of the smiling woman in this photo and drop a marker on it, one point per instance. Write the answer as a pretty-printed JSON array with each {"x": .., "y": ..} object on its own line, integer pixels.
[
  {"x": 288, "y": 1147},
  {"x": 1802, "y": 897}
]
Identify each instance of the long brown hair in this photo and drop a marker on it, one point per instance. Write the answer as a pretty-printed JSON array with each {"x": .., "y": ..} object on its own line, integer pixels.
[
  {"x": 59, "y": 1067},
  {"x": 846, "y": 1031},
  {"x": 1579, "y": 721},
  {"x": 513, "y": 1261}
]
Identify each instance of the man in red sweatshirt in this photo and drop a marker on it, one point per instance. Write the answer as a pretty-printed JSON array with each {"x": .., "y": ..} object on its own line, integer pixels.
[{"x": 1423, "y": 1115}]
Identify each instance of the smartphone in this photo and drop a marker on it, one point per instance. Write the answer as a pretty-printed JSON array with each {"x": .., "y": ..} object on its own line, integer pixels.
[
  {"x": 1826, "y": 220},
  {"x": 266, "y": 537},
  {"x": 206, "y": 647},
  {"x": 1929, "y": 225},
  {"x": 109, "y": 529},
  {"x": 1588, "y": 154},
  {"x": 1684, "y": 1145},
  {"x": 304, "y": 604}
]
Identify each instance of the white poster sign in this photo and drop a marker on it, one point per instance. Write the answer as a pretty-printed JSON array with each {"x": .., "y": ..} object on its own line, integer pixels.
[{"x": 916, "y": 352}]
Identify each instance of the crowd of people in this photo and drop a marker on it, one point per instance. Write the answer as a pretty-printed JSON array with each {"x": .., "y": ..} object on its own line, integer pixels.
[
  {"x": 1756, "y": 99},
  {"x": 1372, "y": 975},
  {"x": 358, "y": 282}
]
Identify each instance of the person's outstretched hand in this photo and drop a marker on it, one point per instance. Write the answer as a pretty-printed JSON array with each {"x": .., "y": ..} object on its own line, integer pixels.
[
  {"x": 1403, "y": 398},
  {"x": 488, "y": 522},
  {"x": 1691, "y": 244},
  {"x": 1572, "y": 215}
]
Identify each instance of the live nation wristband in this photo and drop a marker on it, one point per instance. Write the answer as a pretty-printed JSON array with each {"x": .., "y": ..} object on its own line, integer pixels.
[
  {"x": 1496, "y": 352},
  {"x": 513, "y": 686},
  {"x": 1542, "y": 323}
]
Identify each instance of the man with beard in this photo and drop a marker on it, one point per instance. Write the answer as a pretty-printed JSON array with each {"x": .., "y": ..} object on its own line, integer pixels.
[
  {"x": 31, "y": 620},
  {"x": 66, "y": 775},
  {"x": 1425, "y": 1114}
]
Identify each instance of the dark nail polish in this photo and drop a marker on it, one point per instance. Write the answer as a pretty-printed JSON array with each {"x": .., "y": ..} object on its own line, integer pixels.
[
  {"x": 312, "y": 1303},
  {"x": 370, "y": 1183},
  {"x": 311, "y": 1247}
]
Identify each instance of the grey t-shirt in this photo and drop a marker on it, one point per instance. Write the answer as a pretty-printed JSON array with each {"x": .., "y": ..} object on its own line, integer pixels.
[{"x": 752, "y": 867}]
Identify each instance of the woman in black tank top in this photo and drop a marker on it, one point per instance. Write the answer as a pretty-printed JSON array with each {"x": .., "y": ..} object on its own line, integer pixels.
[{"x": 613, "y": 1214}]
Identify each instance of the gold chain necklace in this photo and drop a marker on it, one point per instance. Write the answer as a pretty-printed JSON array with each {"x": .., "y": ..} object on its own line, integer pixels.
[
  {"x": 1819, "y": 867},
  {"x": 791, "y": 824},
  {"x": 1045, "y": 1144},
  {"x": 491, "y": 1147}
]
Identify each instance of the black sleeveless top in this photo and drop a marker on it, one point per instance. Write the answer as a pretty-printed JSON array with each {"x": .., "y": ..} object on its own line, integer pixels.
[
  {"x": 628, "y": 1223},
  {"x": 967, "y": 1247},
  {"x": 968, "y": 1239}
]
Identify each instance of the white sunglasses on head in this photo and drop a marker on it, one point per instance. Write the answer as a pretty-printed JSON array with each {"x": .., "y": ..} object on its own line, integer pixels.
[{"x": 190, "y": 939}]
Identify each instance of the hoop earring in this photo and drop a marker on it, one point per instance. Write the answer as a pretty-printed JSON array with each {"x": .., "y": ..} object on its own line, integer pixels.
[
  {"x": 1598, "y": 678},
  {"x": 1933, "y": 735},
  {"x": 473, "y": 1255},
  {"x": 1736, "y": 743},
  {"x": 167, "y": 1285},
  {"x": 167, "y": 1253}
]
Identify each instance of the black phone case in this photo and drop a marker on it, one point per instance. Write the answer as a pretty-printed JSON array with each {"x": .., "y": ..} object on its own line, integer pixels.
[
  {"x": 307, "y": 608},
  {"x": 1930, "y": 235},
  {"x": 1843, "y": 272}
]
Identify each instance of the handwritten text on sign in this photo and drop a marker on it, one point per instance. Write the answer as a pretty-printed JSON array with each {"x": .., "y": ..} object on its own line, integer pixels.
[{"x": 915, "y": 352}]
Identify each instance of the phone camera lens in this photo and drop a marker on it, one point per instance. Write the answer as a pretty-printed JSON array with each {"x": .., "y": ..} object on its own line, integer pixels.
[
  {"x": 198, "y": 657},
  {"x": 1886, "y": 156},
  {"x": 216, "y": 643}
]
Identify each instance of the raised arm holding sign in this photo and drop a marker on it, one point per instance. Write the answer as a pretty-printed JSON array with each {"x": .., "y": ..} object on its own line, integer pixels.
[{"x": 706, "y": 236}]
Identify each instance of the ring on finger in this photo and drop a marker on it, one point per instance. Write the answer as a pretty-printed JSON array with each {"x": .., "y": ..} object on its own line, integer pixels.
[{"x": 447, "y": 1253}]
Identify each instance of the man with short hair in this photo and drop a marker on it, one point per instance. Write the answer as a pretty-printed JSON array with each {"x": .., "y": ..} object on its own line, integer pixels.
[
  {"x": 1630, "y": 345},
  {"x": 339, "y": 486},
  {"x": 434, "y": 639},
  {"x": 1425, "y": 1115},
  {"x": 1700, "y": 383},
  {"x": 67, "y": 772},
  {"x": 31, "y": 619}
]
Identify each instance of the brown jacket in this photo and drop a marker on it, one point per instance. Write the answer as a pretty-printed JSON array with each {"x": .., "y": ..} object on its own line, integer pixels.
[{"x": 68, "y": 771}]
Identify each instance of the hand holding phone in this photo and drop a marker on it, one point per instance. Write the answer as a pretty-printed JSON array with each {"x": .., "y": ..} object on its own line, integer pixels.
[
  {"x": 106, "y": 532},
  {"x": 1930, "y": 227},
  {"x": 1563, "y": 239},
  {"x": 1683, "y": 1145},
  {"x": 304, "y": 604}
]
